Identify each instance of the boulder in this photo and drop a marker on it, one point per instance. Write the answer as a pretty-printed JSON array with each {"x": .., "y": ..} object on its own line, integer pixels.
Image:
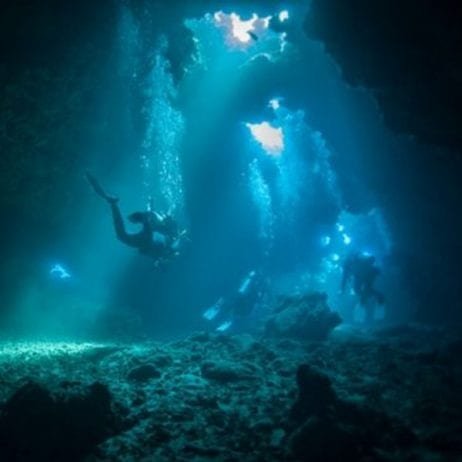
[
  {"x": 305, "y": 317},
  {"x": 315, "y": 394},
  {"x": 325, "y": 428},
  {"x": 36, "y": 424}
]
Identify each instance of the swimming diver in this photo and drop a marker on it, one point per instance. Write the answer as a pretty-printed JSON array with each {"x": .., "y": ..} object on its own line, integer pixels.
[
  {"x": 158, "y": 237},
  {"x": 231, "y": 311},
  {"x": 361, "y": 271}
]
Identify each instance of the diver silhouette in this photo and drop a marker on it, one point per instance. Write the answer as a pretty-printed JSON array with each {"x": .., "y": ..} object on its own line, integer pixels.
[
  {"x": 360, "y": 270},
  {"x": 158, "y": 237},
  {"x": 233, "y": 310}
]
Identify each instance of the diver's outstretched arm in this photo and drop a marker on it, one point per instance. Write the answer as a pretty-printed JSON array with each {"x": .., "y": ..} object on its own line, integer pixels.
[{"x": 94, "y": 183}]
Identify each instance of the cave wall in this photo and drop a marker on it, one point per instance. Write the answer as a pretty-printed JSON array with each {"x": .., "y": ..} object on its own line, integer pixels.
[{"x": 408, "y": 54}]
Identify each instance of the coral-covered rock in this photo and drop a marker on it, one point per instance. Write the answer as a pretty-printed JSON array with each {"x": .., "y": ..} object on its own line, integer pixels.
[
  {"x": 305, "y": 317},
  {"x": 222, "y": 371},
  {"x": 362, "y": 396},
  {"x": 144, "y": 373}
]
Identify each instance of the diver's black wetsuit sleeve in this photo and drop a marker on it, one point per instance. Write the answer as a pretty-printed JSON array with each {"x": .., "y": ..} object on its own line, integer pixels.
[{"x": 119, "y": 226}]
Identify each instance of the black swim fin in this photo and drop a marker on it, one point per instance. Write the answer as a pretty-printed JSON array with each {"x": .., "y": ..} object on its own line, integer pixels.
[{"x": 98, "y": 188}]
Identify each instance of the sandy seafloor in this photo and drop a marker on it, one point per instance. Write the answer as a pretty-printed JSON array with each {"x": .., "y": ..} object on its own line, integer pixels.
[{"x": 214, "y": 397}]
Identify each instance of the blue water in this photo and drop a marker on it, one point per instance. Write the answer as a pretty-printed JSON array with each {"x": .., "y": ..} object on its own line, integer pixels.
[{"x": 246, "y": 134}]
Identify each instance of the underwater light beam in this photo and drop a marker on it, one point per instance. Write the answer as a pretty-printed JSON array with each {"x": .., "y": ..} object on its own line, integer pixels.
[
  {"x": 325, "y": 241},
  {"x": 274, "y": 104},
  {"x": 270, "y": 138},
  {"x": 241, "y": 29},
  {"x": 241, "y": 32},
  {"x": 60, "y": 272},
  {"x": 283, "y": 15}
]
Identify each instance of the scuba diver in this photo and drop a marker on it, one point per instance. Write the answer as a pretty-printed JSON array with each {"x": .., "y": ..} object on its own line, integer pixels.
[
  {"x": 234, "y": 310},
  {"x": 361, "y": 271},
  {"x": 158, "y": 238}
]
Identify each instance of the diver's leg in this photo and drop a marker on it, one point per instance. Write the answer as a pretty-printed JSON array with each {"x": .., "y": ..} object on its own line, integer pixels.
[
  {"x": 366, "y": 293},
  {"x": 372, "y": 298},
  {"x": 119, "y": 225},
  {"x": 369, "y": 306},
  {"x": 379, "y": 297},
  {"x": 358, "y": 288},
  {"x": 117, "y": 219}
]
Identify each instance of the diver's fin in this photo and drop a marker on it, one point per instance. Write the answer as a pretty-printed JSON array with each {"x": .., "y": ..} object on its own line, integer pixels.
[
  {"x": 98, "y": 188},
  {"x": 225, "y": 326},
  {"x": 211, "y": 313},
  {"x": 95, "y": 185}
]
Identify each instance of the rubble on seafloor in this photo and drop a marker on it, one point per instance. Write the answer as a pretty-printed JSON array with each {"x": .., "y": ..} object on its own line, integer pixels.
[{"x": 385, "y": 395}]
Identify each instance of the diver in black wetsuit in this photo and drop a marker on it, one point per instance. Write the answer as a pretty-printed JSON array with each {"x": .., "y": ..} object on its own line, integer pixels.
[
  {"x": 361, "y": 271},
  {"x": 158, "y": 237}
]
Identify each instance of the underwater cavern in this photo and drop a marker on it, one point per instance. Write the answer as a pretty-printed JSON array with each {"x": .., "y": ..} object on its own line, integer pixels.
[{"x": 231, "y": 231}]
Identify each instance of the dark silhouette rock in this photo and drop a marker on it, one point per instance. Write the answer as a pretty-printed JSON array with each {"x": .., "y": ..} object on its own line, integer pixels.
[
  {"x": 324, "y": 440},
  {"x": 326, "y": 428},
  {"x": 36, "y": 425},
  {"x": 315, "y": 394},
  {"x": 380, "y": 44}
]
